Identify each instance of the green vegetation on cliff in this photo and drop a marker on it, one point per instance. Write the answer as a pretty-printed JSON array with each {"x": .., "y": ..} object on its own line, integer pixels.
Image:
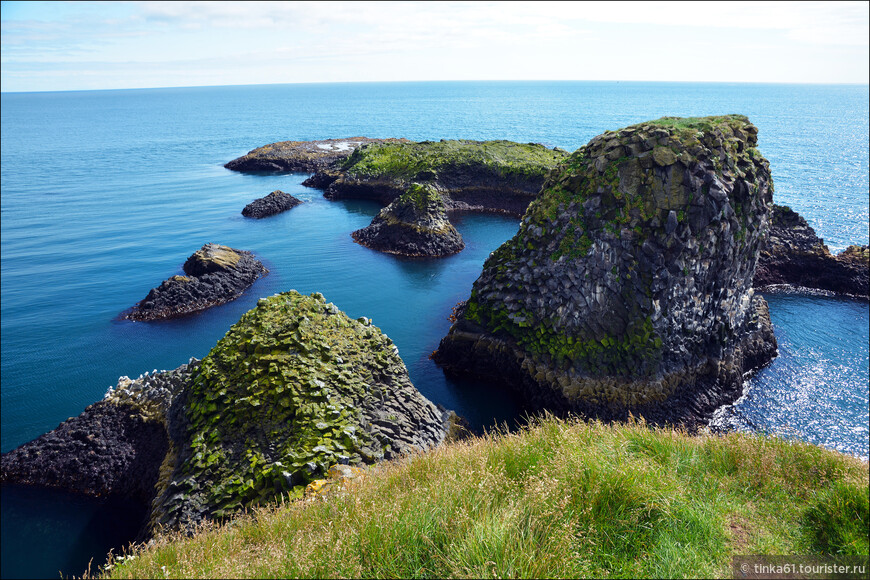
[
  {"x": 294, "y": 387},
  {"x": 560, "y": 499},
  {"x": 428, "y": 160},
  {"x": 646, "y": 187}
]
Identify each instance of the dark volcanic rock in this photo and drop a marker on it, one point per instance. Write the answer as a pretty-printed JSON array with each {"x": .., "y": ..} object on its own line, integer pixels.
[
  {"x": 299, "y": 156},
  {"x": 215, "y": 275},
  {"x": 275, "y": 202},
  {"x": 796, "y": 256},
  {"x": 115, "y": 447},
  {"x": 497, "y": 176},
  {"x": 415, "y": 225},
  {"x": 628, "y": 286},
  {"x": 293, "y": 388}
]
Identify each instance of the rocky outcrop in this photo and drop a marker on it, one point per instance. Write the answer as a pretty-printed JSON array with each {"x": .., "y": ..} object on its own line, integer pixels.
[
  {"x": 114, "y": 447},
  {"x": 628, "y": 288},
  {"x": 293, "y": 388},
  {"x": 794, "y": 255},
  {"x": 275, "y": 202},
  {"x": 415, "y": 225},
  {"x": 499, "y": 176},
  {"x": 299, "y": 156},
  {"x": 215, "y": 275}
]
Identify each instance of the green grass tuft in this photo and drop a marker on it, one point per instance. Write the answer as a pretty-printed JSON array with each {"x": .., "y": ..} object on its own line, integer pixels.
[{"x": 558, "y": 499}]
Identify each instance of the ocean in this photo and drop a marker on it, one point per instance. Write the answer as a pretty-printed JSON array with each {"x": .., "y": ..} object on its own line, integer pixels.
[{"x": 106, "y": 193}]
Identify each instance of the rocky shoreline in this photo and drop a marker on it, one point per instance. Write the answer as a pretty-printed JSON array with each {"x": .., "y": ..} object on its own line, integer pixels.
[
  {"x": 215, "y": 275},
  {"x": 794, "y": 255},
  {"x": 299, "y": 156}
]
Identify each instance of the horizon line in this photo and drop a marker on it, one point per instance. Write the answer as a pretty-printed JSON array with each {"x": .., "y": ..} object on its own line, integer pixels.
[{"x": 442, "y": 81}]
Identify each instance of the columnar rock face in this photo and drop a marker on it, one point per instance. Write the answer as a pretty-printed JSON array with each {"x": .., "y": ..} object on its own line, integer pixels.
[
  {"x": 274, "y": 203},
  {"x": 415, "y": 225},
  {"x": 215, "y": 275},
  {"x": 796, "y": 256},
  {"x": 498, "y": 176},
  {"x": 628, "y": 287},
  {"x": 293, "y": 388},
  {"x": 299, "y": 156}
]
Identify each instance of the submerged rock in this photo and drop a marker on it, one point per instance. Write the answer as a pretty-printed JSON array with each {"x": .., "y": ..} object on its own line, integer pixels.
[
  {"x": 215, "y": 275},
  {"x": 628, "y": 288},
  {"x": 499, "y": 176},
  {"x": 796, "y": 256},
  {"x": 299, "y": 156},
  {"x": 415, "y": 225},
  {"x": 274, "y": 203},
  {"x": 293, "y": 388}
]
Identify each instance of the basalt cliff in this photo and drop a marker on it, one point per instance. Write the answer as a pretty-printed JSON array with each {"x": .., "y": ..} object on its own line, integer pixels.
[
  {"x": 293, "y": 388},
  {"x": 628, "y": 287}
]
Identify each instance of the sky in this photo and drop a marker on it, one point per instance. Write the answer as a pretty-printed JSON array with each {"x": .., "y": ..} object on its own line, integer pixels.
[{"x": 53, "y": 46}]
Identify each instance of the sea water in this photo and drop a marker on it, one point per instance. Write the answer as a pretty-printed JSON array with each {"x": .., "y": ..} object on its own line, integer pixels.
[{"x": 106, "y": 193}]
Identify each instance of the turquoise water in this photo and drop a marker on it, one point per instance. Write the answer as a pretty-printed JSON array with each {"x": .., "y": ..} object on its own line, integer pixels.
[{"x": 105, "y": 194}]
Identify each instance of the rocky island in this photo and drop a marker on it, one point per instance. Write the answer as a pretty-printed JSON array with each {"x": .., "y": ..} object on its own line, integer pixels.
[
  {"x": 299, "y": 156},
  {"x": 215, "y": 275},
  {"x": 274, "y": 203},
  {"x": 496, "y": 176},
  {"x": 415, "y": 225},
  {"x": 293, "y": 388},
  {"x": 796, "y": 256},
  {"x": 628, "y": 287}
]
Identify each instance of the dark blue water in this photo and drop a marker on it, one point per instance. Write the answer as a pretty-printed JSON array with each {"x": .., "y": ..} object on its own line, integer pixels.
[{"x": 105, "y": 194}]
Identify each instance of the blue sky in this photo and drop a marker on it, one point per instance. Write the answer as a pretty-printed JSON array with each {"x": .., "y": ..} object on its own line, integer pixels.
[{"x": 110, "y": 45}]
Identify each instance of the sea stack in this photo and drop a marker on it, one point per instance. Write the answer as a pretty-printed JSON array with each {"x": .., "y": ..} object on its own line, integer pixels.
[
  {"x": 413, "y": 225},
  {"x": 628, "y": 287}
]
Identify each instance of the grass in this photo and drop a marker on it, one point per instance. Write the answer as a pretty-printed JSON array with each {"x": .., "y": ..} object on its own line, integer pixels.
[
  {"x": 558, "y": 499},
  {"x": 424, "y": 160}
]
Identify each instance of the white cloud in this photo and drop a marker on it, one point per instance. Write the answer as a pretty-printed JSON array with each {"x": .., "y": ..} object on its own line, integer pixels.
[{"x": 230, "y": 41}]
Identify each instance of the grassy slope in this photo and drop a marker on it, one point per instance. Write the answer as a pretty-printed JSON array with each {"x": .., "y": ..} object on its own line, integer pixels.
[{"x": 557, "y": 500}]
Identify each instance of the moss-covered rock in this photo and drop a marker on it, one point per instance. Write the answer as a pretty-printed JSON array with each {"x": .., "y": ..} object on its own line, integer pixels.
[
  {"x": 628, "y": 285},
  {"x": 294, "y": 387},
  {"x": 299, "y": 156},
  {"x": 415, "y": 225},
  {"x": 215, "y": 275},
  {"x": 795, "y": 256},
  {"x": 498, "y": 176}
]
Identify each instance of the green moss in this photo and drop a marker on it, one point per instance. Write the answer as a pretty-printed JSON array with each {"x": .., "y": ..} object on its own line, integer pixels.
[
  {"x": 428, "y": 159},
  {"x": 288, "y": 380}
]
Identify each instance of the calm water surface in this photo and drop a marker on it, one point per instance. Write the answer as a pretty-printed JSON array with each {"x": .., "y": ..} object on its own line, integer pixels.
[{"x": 106, "y": 193}]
